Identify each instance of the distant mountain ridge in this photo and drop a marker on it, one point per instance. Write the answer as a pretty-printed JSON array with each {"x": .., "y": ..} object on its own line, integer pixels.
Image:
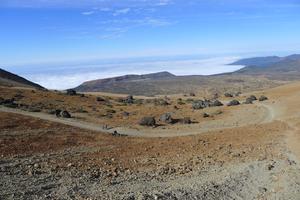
[
  {"x": 12, "y": 80},
  {"x": 265, "y": 61},
  {"x": 258, "y": 73},
  {"x": 99, "y": 84},
  {"x": 274, "y": 68}
]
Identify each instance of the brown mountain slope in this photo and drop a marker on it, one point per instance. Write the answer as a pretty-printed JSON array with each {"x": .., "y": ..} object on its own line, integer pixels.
[
  {"x": 167, "y": 84},
  {"x": 13, "y": 80},
  {"x": 258, "y": 73}
]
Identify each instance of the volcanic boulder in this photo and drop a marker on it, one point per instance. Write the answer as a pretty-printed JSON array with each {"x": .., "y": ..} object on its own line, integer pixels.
[
  {"x": 216, "y": 103},
  {"x": 249, "y": 101},
  {"x": 253, "y": 98},
  {"x": 198, "y": 105},
  {"x": 167, "y": 118},
  {"x": 65, "y": 114},
  {"x": 71, "y": 92},
  {"x": 233, "y": 103},
  {"x": 147, "y": 121},
  {"x": 263, "y": 98},
  {"x": 228, "y": 94}
]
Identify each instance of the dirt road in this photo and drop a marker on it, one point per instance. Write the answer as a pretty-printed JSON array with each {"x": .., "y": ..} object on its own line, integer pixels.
[{"x": 265, "y": 113}]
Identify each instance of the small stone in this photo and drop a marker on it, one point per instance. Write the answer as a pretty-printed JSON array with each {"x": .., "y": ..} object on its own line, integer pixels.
[{"x": 36, "y": 165}]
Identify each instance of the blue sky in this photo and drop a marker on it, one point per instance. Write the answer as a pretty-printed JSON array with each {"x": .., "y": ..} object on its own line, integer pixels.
[
  {"x": 34, "y": 31},
  {"x": 61, "y": 43}
]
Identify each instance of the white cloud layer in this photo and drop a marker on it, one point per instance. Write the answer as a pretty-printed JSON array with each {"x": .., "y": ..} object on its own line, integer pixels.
[{"x": 68, "y": 77}]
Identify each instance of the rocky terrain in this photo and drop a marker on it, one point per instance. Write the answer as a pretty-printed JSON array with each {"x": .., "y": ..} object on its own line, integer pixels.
[
  {"x": 219, "y": 144},
  {"x": 228, "y": 146}
]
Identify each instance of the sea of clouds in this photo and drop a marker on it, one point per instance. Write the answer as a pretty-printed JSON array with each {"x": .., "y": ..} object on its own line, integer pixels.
[{"x": 64, "y": 76}]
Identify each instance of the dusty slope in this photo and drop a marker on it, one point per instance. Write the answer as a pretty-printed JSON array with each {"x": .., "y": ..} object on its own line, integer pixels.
[{"x": 254, "y": 160}]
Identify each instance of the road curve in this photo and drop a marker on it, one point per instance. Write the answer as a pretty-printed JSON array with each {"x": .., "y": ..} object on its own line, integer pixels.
[{"x": 155, "y": 132}]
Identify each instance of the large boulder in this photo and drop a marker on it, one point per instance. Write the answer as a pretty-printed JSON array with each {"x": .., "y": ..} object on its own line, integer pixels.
[
  {"x": 227, "y": 94},
  {"x": 147, "y": 121},
  {"x": 263, "y": 98},
  {"x": 253, "y": 98},
  {"x": 100, "y": 99},
  {"x": 10, "y": 103},
  {"x": 196, "y": 105},
  {"x": 129, "y": 99},
  {"x": 233, "y": 103},
  {"x": 167, "y": 118},
  {"x": 216, "y": 103},
  {"x": 249, "y": 101},
  {"x": 71, "y": 92},
  {"x": 58, "y": 113},
  {"x": 65, "y": 114}
]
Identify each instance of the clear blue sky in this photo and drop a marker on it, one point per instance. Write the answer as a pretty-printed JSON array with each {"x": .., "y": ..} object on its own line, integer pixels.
[{"x": 59, "y": 30}]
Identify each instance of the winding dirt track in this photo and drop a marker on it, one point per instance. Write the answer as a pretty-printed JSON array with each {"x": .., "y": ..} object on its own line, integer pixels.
[{"x": 266, "y": 115}]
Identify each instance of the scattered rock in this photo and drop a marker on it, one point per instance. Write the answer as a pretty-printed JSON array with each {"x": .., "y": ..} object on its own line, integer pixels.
[
  {"x": 129, "y": 99},
  {"x": 147, "y": 121},
  {"x": 71, "y": 92},
  {"x": 58, "y": 113},
  {"x": 263, "y": 98},
  {"x": 65, "y": 114},
  {"x": 125, "y": 114},
  {"x": 199, "y": 104},
  {"x": 192, "y": 94},
  {"x": 205, "y": 115},
  {"x": 248, "y": 101},
  {"x": 100, "y": 99},
  {"x": 228, "y": 94},
  {"x": 167, "y": 118},
  {"x": 233, "y": 103},
  {"x": 10, "y": 103},
  {"x": 271, "y": 166},
  {"x": 253, "y": 98},
  {"x": 216, "y": 103}
]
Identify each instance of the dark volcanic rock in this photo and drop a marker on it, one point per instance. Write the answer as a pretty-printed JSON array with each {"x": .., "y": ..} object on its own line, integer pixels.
[
  {"x": 100, "y": 99},
  {"x": 129, "y": 99},
  {"x": 71, "y": 92},
  {"x": 233, "y": 103},
  {"x": 147, "y": 121},
  {"x": 166, "y": 118},
  {"x": 205, "y": 115},
  {"x": 65, "y": 114},
  {"x": 10, "y": 103},
  {"x": 216, "y": 103},
  {"x": 228, "y": 94},
  {"x": 253, "y": 98},
  {"x": 58, "y": 113},
  {"x": 263, "y": 98},
  {"x": 249, "y": 101},
  {"x": 198, "y": 105}
]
